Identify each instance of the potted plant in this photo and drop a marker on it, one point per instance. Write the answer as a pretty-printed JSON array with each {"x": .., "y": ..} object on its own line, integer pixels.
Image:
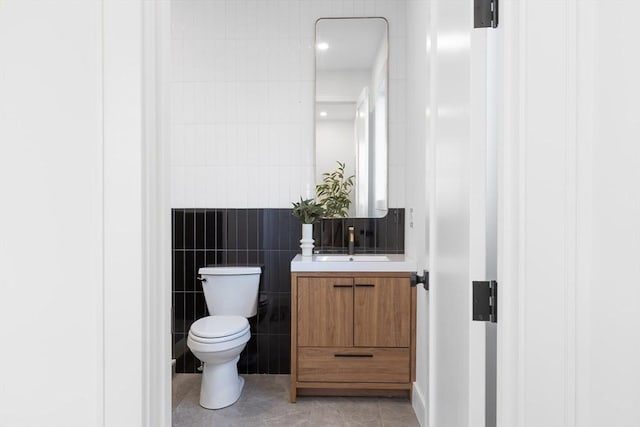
[
  {"x": 334, "y": 193},
  {"x": 309, "y": 212}
]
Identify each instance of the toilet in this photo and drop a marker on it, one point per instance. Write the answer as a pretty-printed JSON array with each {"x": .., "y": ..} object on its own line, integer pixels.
[{"x": 231, "y": 294}]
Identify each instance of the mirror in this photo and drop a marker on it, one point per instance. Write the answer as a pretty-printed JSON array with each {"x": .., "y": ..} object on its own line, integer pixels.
[{"x": 351, "y": 108}]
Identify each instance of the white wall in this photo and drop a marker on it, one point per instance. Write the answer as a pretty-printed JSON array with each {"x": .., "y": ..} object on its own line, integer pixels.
[
  {"x": 417, "y": 173},
  {"x": 570, "y": 231},
  {"x": 71, "y": 219},
  {"x": 51, "y": 186},
  {"x": 243, "y": 74}
]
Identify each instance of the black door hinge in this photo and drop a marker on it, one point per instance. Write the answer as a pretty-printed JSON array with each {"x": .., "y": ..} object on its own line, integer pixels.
[
  {"x": 485, "y": 13},
  {"x": 485, "y": 301},
  {"x": 417, "y": 278}
]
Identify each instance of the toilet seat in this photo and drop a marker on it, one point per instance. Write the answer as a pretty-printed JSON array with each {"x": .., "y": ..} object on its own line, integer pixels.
[
  {"x": 218, "y": 329},
  {"x": 220, "y": 339}
]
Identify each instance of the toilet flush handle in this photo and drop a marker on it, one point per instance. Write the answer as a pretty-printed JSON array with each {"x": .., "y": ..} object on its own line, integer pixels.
[{"x": 202, "y": 279}]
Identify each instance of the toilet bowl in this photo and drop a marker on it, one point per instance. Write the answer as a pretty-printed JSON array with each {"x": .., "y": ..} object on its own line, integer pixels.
[
  {"x": 217, "y": 341},
  {"x": 231, "y": 294}
]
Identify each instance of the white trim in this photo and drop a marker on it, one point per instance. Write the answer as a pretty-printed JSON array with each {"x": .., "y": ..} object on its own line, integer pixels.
[
  {"x": 156, "y": 218},
  {"x": 419, "y": 399},
  {"x": 100, "y": 365},
  {"x": 494, "y": 79},
  {"x": 571, "y": 215},
  {"x": 419, "y": 404},
  {"x": 509, "y": 110},
  {"x": 586, "y": 120},
  {"x": 520, "y": 211},
  {"x": 431, "y": 179},
  {"x": 477, "y": 222}
]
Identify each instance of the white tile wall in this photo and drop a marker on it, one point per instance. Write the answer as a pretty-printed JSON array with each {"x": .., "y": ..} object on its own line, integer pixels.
[{"x": 242, "y": 99}]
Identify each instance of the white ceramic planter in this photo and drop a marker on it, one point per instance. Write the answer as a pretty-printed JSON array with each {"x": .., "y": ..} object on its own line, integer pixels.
[{"x": 306, "y": 243}]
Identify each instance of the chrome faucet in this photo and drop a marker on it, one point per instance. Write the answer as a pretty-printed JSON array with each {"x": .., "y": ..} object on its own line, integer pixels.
[{"x": 351, "y": 240}]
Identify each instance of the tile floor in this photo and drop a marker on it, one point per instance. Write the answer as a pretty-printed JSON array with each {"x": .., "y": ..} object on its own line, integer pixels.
[{"x": 265, "y": 402}]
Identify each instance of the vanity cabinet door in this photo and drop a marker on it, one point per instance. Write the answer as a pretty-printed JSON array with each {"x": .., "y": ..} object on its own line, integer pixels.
[
  {"x": 325, "y": 311},
  {"x": 382, "y": 312}
]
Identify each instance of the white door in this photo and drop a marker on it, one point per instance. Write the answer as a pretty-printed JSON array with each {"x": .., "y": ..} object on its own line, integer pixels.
[
  {"x": 569, "y": 328},
  {"x": 458, "y": 215}
]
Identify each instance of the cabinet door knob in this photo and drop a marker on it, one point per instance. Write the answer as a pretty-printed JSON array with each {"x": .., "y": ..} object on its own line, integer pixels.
[
  {"x": 352, "y": 355},
  {"x": 365, "y": 285}
]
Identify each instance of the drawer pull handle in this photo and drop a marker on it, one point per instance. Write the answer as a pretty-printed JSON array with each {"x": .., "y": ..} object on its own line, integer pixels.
[
  {"x": 352, "y": 355},
  {"x": 365, "y": 285},
  {"x": 341, "y": 286}
]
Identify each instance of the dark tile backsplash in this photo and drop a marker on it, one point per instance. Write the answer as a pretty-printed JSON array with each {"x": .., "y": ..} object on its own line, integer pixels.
[{"x": 266, "y": 237}]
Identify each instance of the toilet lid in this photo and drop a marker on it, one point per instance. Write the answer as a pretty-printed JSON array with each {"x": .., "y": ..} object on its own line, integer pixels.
[{"x": 219, "y": 326}]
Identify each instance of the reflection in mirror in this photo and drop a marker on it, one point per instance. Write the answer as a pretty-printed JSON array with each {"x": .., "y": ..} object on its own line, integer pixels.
[{"x": 351, "y": 107}]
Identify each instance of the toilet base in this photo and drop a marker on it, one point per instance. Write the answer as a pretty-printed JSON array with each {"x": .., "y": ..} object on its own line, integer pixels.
[{"x": 221, "y": 385}]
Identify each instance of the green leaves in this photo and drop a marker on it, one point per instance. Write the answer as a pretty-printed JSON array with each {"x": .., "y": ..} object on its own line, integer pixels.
[
  {"x": 334, "y": 191},
  {"x": 308, "y": 211},
  {"x": 333, "y": 198}
]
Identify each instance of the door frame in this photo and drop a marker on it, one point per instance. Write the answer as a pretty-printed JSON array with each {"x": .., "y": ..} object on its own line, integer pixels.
[{"x": 156, "y": 287}]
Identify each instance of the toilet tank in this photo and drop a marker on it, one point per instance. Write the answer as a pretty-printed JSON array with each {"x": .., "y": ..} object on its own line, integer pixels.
[{"x": 231, "y": 290}]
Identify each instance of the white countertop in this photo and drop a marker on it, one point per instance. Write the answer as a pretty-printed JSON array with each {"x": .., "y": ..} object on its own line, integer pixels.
[{"x": 368, "y": 262}]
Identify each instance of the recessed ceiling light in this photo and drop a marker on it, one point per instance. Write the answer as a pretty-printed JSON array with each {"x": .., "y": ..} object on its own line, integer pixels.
[
  {"x": 323, "y": 114},
  {"x": 323, "y": 46}
]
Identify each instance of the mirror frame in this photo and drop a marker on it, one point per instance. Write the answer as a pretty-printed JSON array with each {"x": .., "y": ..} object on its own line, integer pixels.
[{"x": 315, "y": 94}]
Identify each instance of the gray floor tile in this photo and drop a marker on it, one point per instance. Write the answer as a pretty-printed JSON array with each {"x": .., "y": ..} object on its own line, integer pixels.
[
  {"x": 181, "y": 385},
  {"x": 265, "y": 402}
]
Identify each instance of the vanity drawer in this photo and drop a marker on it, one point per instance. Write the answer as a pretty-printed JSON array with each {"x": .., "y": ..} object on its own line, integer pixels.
[{"x": 354, "y": 364}]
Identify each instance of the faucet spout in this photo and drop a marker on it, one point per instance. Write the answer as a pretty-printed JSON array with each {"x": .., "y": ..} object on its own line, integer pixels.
[{"x": 351, "y": 240}]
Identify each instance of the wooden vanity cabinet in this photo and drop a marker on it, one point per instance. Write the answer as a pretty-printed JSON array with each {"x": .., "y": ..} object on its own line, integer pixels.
[{"x": 352, "y": 333}]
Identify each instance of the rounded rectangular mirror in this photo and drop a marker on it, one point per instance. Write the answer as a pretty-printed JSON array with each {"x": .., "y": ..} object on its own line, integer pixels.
[{"x": 351, "y": 57}]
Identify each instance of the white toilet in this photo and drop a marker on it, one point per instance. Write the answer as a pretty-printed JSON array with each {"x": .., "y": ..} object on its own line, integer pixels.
[{"x": 217, "y": 340}]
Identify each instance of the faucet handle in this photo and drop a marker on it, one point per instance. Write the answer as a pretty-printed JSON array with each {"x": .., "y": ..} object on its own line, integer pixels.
[
  {"x": 351, "y": 250},
  {"x": 351, "y": 229}
]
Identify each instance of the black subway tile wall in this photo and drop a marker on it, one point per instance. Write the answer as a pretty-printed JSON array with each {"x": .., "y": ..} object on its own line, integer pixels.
[{"x": 269, "y": 238}]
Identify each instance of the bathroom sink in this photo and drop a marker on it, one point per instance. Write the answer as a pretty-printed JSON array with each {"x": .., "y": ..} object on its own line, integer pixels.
[
  {"x": 353, "y": 263},
  {"x": 352, "y": 258}
]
